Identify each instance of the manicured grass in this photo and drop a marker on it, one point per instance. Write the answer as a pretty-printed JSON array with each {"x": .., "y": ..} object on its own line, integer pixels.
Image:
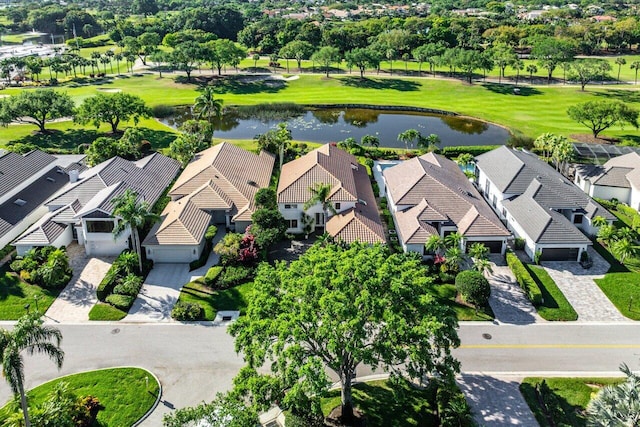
[
  {"x": 102, "y": 311},
  {"x": 570, "y": 396},
  {"x": 123, "y": 392},
  {"x": 623, "y": 290},
  {"x": 446, "y": 294},
  {"x": 15, "y": 294},
  {"x": 554, "y": 304},
  {"x": 384, "y": 406},
  {"x": 212, "y": 301},
  {"x": 537, "y": 110}
]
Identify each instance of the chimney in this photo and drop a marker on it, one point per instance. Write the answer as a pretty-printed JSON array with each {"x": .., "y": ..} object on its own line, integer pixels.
[{"x": 74, "y": 175}]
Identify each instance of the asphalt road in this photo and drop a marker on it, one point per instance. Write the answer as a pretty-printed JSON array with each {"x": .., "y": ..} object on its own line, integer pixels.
[{"x": 193, "y": 362}]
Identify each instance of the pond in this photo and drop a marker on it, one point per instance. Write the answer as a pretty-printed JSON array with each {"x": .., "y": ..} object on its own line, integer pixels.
[{"x": 326, "y": 125}]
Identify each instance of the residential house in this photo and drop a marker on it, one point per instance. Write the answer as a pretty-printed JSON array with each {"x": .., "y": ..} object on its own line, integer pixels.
[
  {"x": 538, "y": 204},
  {"x": 351, "y": 195},
  {"x": 26, "y": 182},
  {"x": 429, "y": 195},
  {"x": 618, "y": 178},
  {"x": 217, "y": 187},
  {"x": 82, "y": 210}
]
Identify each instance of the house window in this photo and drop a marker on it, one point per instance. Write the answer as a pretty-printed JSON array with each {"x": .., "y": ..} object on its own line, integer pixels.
[
  {"x": 100, "y": 226},
  {"x": 494, "y": 201},
  {"x": 577, "y": 219},
  {"x": 504, "y": 212},
  {"x": 291, "y": 206},
  {"x": 337, "y": 206},
  {"x": 292, "y": 223},
  {"x": 487, "y": 187}
]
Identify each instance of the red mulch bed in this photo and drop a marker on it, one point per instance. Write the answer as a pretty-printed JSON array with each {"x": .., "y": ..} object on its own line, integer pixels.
[
  {"x": 334, "y": 418},
  {"x": 589, "y": 139}
]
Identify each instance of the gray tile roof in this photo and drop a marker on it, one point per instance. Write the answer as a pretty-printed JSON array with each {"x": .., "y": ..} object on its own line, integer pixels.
[
  {"x": 16, "y": 168},
  {"x": 622, "y": 171}
]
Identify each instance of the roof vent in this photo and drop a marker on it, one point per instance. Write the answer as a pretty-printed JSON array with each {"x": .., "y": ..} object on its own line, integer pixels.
[
  {"x": 252, "y": 183},
  {"x": 50, "y": 179},
  {"x": 354, "y": 167},
  {"x": 362, "y": 201},
  {"x": 19, "y": 202},
  {"x": 60, "y": 171}
]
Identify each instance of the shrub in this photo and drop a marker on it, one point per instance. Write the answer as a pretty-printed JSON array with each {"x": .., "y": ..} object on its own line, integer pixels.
[
  {"x": 473, "y": 287},
  {"x": 519, "y": 243},
  {"x": 109, "y": 281},
  {"x": 212, "y": 275},
  {"x": 474, "y": 150},
  {"x": 524, "y": 279},
  {"x": 121, "y": 302},
  {"x": 130, "y": 285},
  {"x": 210, "y": 233},
  {"x": 234, "y": 275},
  {"x": 446, "y": 277},
  {"x": 128, "y": 261},
  {"x": 187, "y": 311}
]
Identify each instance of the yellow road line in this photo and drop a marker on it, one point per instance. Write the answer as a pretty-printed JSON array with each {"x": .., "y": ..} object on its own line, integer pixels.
[{"x": 533, "y": 346}]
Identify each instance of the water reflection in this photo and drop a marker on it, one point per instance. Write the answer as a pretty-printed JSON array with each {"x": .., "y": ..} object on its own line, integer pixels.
[{"x": 337, "y": 124}]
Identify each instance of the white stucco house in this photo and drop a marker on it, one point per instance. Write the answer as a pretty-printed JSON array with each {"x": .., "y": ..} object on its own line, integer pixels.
[
  {"x": 356, "y": 218},
  {"x": 430, "y": 195},
  {"x": 82, "y": 210},
  {"x": 618, "y": 178},
  {"x": 217, "y": 187},
  {"x": 538, "y": 204}
]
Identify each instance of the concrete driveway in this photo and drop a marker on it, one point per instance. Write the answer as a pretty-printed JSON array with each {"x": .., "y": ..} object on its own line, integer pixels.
[
  {"x": 581, "y": 291},
  {"x": 76, "y": 300}
]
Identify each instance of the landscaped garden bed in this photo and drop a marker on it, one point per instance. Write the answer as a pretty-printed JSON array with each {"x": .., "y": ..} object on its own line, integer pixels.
[
  {"x": 16, "y": 294},
  {"x": 563, "y": 400},
  {"x": 211, "y": 300},
  {"x": 124, "y": 395}
]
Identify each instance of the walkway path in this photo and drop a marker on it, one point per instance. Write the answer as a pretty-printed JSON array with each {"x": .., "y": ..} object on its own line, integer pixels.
[
  {"x": 162, "y": 287},
  {"x": 581, "y": 291},
  {"x": 76, "y": 300},
  {"x": 508, "y": 301},
  {"x": 496, "y": 401}
]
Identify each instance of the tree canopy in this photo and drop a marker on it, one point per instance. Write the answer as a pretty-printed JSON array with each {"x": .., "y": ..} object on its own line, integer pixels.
[
  {"x": 36, "y": 107},
  {"x": 601, "y": 115},
  {"x": 337, "y": 308},
  {"x": 112, "y": 109}
]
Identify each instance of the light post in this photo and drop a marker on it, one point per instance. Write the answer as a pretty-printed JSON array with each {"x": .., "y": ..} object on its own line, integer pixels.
[{"x": 35, "y": 299}]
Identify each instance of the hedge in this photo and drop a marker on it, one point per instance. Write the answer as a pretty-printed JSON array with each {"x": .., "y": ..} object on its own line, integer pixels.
[
  {"x": 235, "y": 275},
  {"x": 474, "y": 150},
  {"x": 122, "y": 302},
  {"x": 187, "y": 311},
  {"x": 524, "y": 279},
  {"x": 109, "y": 281},
  {"x": 208, "y": 237},
  {"x": 212, "y": 275}
]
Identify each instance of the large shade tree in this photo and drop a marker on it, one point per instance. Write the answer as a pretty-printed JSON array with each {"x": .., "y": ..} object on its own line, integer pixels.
[
  {"x": 31, "y": 336},
  {"x": 35, "y": 107},
  {"x": 601, "y": 115},
  {"x": 132, "y": 214},
  {"x": 112, "y": 109},
  {"x": 338, "y": 308}
]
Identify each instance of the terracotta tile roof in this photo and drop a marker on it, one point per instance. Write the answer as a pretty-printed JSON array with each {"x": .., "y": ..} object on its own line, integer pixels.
[
  {"x": 411, "y": 227},
  {"x": 183, "y": 223},
  {"x": 349, "y": 183},
  {"x": 235, "y": 173},
  {"x": 439, "y": 191}
]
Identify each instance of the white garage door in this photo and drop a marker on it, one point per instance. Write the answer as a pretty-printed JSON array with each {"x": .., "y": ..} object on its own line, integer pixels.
[{"x": 173, "y": 255}]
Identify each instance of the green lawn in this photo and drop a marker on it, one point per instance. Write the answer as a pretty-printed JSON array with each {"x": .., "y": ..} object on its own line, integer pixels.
[
  {"x": 126, "y": 393},
  {"x": 539, "y": 109},
  {"x": 623, "y": 290},
  {"x": 102, "y": 311},
  {"x": 15, "y": 294},
  {"x": 383, "y": 406},
  {"x": 212, "y": 301},
  {"x": 555, "y": 306},
  {"x": 446, "y": 295},
  {"x": 568, "y": 398}
]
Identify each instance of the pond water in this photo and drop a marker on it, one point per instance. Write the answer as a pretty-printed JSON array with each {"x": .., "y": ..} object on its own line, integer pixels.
[{"x": 336, "y": 124}]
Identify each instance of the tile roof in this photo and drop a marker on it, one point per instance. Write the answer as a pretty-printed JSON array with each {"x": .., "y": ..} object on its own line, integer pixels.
[
  {"x": 183, "y": 223},
  {"x": 43, "y": 233},
  {"x": 16, "y": 168},
  {"x": 438, "y": 191},
  {"x": 622, "y": 171},
  {"x": 349, "y": 183},
  {"x": 235, "y": 175},
  {"x": 557, "y": 192},
  {"x": 328, "y": 164}
]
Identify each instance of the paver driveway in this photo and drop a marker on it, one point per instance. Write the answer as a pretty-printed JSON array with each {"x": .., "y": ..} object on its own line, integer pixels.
[
  {"x": 76, "y": 300},
  {"x": 581, "y": 291}
]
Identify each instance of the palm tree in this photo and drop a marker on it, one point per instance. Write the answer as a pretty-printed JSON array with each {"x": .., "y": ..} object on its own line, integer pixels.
[
  {"x": 623, "y": 249},
  {"x": 429, "y": 142},
  {"x": 617, "y": 405},
  {"x": 133, "y": 215},
  {"x": 635, "y": 65},
  {"x": 370, "y": 140},
  {"x": 320, "y": 193},
  {"x": 620, "y": 62},
  {"x": 31, "y": 336},
  {"x": 482, "y": 265},
  {"x": 454, "y": 258},
  {"x": 518, "y": 65},
  {"x": 531, "y": 68},
  {"x": 478, "y": 251},
  {"x": 435, "y": 244},
  {"x": 599, "y": 221},
  {"x": 207, "y": 105},
  {"x": 606, "y": 233},
  {"x": 409, "y": 136},
  {"x": 453, "y": 240}
]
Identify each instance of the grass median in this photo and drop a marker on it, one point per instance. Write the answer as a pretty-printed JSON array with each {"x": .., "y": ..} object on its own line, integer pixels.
[{"x": 555, "y": 305}]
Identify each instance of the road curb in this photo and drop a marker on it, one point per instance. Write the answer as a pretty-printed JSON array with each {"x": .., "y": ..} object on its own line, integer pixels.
[{"x": 155, "y": 404}]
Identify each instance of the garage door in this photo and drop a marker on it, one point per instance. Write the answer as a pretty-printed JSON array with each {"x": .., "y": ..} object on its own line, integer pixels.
[
  {"x": 559, "y": 254},
  {"x": 495, "y": 247},
  {"x": 173, "y": 255}
]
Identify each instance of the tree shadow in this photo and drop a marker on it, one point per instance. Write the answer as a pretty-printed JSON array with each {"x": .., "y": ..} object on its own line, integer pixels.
[
  {"x": 58, "y": 140},
  {"x": 159, "y": 138},
  {"x": 623, "y": 95},
  {"x": 381, "y": 84},
  {"x": 241, "y": 85},
  {"x": 504, "y": 89},
  {"x": 9, "y": 285},
  {"x": 547, "y": 405}
]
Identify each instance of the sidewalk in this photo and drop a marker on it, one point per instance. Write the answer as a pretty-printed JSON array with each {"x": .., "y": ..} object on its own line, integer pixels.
[{"x": 496, "y": 401}]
